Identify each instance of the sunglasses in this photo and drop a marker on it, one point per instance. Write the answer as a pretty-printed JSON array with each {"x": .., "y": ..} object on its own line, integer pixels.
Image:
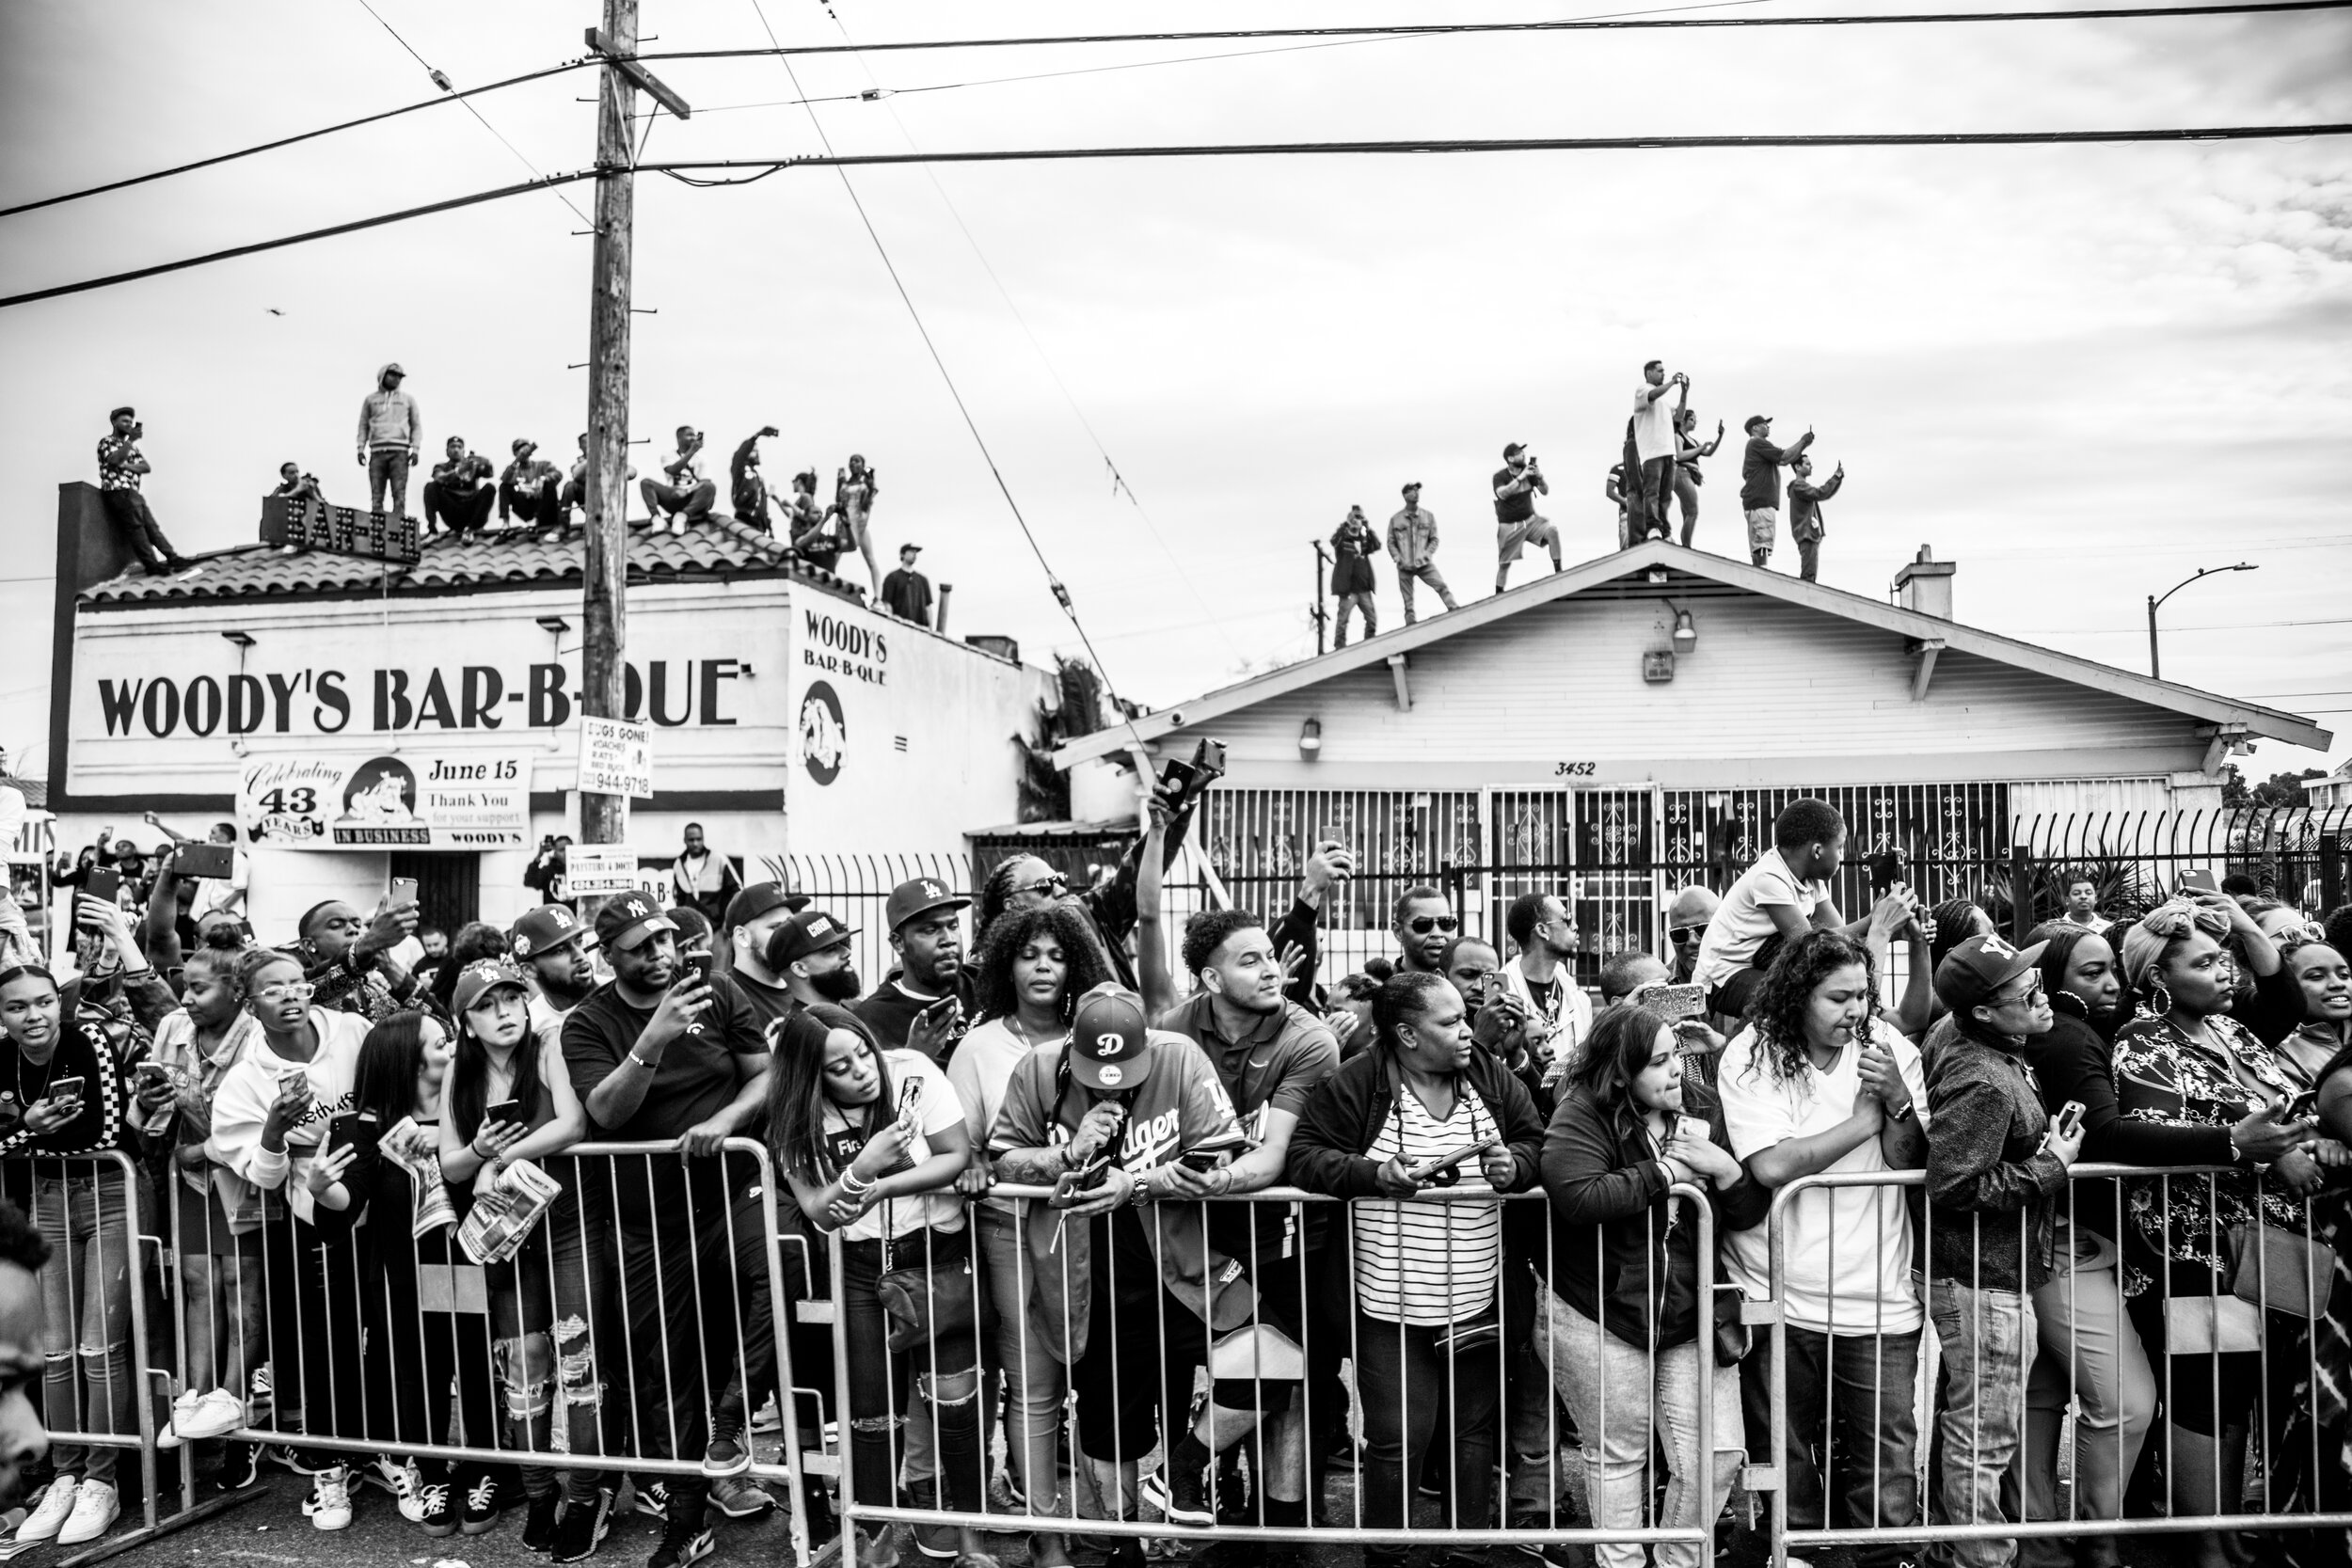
[
  {"x": 1054, "y": 883},
  {"x": 1685, "y": 936},
  {"x": 1421, "y": 924}
]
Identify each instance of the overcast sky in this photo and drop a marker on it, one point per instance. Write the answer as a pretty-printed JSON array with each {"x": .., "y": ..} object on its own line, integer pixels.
[{"x": 2081, "y": 372}]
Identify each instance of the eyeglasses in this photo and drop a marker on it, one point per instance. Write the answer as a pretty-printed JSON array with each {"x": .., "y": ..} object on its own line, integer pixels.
[
  {"x": 1421, "y": 924},
  {"x": 284, "y": 989},
  {"x": 1685, "y": 936}
]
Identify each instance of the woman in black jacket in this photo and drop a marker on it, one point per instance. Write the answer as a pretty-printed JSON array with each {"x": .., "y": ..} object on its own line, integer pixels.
[
  {"x": 1423, "y": 1108},
  {"x": 1625, "y": 1340}
]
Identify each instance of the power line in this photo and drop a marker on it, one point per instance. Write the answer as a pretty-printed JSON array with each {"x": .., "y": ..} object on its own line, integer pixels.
[
  {"x": 219, "y": 158},
  {"x": 765, "y": 166},
  {"x": 1445, "y": 29},
  {"x": 1060, "y": 591}
]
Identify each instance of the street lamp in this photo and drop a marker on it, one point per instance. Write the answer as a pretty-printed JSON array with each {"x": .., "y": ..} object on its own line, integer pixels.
[{"x": 2156, "y": 668}]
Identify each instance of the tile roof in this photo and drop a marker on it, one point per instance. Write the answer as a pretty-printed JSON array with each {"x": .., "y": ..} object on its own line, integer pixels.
[
  {"x": 36, "y": 791},
  {"x": 714, "y": 548}
]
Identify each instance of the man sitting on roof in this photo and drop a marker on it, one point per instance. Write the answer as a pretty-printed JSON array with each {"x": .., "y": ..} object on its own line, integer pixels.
[
  {"x": 460, "y": 494},
  {"x": 688, "y": 496},
  {"x": 575, "y": 491},
  {"x": 531, "y": 489}
]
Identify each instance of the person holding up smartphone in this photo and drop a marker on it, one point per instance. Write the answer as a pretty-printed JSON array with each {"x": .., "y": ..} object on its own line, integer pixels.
[
  {"x": 348, "y": 960},
  {"x": 73, "y": 1088},
  {"x": 1996, "y": 1170},
  {"x": 508, "y": 1100}
]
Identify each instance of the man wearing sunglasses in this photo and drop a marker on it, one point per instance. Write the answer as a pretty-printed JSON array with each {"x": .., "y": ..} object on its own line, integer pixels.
[
  {"x": 1686, "y": 925},
  {"x": 1424, "y": 925}
]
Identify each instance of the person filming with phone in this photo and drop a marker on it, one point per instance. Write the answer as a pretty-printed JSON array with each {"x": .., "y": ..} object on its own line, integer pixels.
[
  {"x": 1423, "y": 1108},
  {"x": 928, "y": 1003}
]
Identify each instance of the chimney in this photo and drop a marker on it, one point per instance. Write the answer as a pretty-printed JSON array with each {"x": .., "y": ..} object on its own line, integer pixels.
[
  {"x": 1926, "y": 585},
  {"x": 941, "y": 626}
]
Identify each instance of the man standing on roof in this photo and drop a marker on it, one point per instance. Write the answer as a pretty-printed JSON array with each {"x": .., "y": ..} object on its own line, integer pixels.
[
  {"x": 392, "y": 439},
  {"x": 1759, "y": 484},
  {"x": 1804, "y": 513},
  {"x": 907, "y": 592},
  {"x": 1654, "y": 426},
  {"x": 120, "y": 468},
  {"x": 1352, "y": 546},
  {"x": 746, "y": 490},
  {"x": 1414, "y": 546},
  {"x": 1517, "y": 484}
]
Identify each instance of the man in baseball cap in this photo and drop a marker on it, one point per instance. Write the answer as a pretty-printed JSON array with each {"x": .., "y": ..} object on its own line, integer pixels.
[
  {"x": 751, "y": 920},
  {"x": 1107, "y": 1036},
  {"x": 1985, "y": 980},
  {"x": 551, "y": 945},
  {"x": 627, "y": 921},
  {"x": 926, "y": 1002},
  {"x": 810, "y": 953}
]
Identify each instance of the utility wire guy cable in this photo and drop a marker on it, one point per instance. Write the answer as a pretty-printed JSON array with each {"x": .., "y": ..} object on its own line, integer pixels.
[
  {"x": 1060, "y": 592},
  {"x": 680, "y": 168},
  {"x": 1439, "y": 29}
]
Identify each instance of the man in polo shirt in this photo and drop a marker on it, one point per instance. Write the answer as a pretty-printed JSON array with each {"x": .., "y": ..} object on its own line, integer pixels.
[
  {"x": 931, "y": 1000},
  {"x": 552, "y": 946},
  {"x": 752, "y": 918},
  {"x": 1759, "y": 484},
  {"x": 1517, "y": 484},
  {"x": 1269, "y": 1054},
  {"x": 810, "y": 954},
  {"x": 658, "y": 1055}
]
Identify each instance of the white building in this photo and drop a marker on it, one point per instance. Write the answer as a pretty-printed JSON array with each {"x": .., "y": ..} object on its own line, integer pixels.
[
  {"x": 1634, "y": 722},
  {"x": 788, "y": 717}
]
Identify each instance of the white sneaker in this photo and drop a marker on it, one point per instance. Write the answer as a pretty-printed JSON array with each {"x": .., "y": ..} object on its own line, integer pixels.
[
  {"x": 183, "y": 1409},
  {"x": 214, "y": 1415},
  {"x": 399, "y": 1478},
  {"x": 329, "y": 1506},
  {"x": 49, "y": 1516},
  {"x": 95, "y": 1510}
]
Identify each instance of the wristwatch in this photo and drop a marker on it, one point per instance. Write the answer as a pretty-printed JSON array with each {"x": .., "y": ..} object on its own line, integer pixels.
[{"x": 1903, "y": 1114}]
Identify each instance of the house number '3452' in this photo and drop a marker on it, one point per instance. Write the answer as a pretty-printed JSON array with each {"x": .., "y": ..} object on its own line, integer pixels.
[{"x": 1574, "y": 770}]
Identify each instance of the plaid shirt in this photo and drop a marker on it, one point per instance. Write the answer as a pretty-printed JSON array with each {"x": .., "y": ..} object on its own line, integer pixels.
[{"x": 115, "y": 454}]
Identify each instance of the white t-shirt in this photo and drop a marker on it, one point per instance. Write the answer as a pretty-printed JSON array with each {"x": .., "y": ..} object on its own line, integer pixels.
[
  {"x": 1429, "y": 1262},
  {"x": 1743, "y": 920},
  {"x": 979, "y": 1070},
  {"x": 1653, "y": 421},
  {"x": 912, "y": 1075},
  {"x": 1849, "y": 1248}
]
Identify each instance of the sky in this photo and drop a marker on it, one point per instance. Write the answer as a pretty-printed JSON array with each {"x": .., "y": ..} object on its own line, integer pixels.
[{"x": 2081, "y": 372}]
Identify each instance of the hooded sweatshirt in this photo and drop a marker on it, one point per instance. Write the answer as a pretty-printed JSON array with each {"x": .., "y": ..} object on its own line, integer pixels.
[
  {"x": 248, "y": 1089},
  {"x": 389, "y": 418}
]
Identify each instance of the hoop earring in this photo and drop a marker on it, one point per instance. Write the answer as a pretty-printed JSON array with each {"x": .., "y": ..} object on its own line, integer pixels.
[{"x": 2160, "y": 998}]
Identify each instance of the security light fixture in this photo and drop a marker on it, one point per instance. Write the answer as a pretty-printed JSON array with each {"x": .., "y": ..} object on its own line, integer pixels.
[
  {"x": 1310, "y": 737},
  {"x": 554, "y": 625},
  {"x": 242, "y": 639},
  {"x": 1686, "y": 635}
]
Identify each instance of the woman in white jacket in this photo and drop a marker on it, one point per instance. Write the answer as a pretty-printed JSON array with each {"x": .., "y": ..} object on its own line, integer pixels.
[{"x": 270, "y": 1120}]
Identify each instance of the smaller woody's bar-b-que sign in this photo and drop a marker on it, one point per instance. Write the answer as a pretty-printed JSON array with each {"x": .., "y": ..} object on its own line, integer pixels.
[{"x": 309, "y": 524}]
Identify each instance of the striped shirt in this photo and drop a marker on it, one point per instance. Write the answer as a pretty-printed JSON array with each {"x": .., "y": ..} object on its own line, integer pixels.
[{"x": 1430, "y": 1263}]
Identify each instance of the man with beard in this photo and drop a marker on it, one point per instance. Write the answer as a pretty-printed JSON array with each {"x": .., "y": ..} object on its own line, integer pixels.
[
  {"x": 660, "y": 1055},
  {"x": 810, "y": 954},
  {"x": 930, "y": 1001},
  {"x": 1424, "y": 925},
  {"x": 753, "y": 917},
  {"x": 1541, "y": 977},
  {"x": 22, "y": 1440},
  {"x": 552, "y": 946},
  {"x": 1269, "y": 1053}
]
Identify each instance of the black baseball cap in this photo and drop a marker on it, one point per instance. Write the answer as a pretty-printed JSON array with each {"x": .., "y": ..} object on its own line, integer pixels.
[
  {"x": 1108, "y": 1040},
  {"x": 757, "y": 899},
  {"x": 543, "y": 931},
  {"x": 920, "y": 896},
  {"x": 626, "y": 920},
  {"x": 809, "y": 931},
  {"x": 126, "y": 410},
  {"x": 1755, "y": 419},
  {"x": 1973, "y": 974}
]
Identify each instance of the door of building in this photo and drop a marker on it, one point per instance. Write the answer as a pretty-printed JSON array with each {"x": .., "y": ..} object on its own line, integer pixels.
[{"x": 449, "y": 886}]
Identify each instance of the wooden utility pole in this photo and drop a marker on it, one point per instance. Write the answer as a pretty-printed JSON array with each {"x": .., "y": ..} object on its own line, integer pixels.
[{"x": 605, "y": 613}]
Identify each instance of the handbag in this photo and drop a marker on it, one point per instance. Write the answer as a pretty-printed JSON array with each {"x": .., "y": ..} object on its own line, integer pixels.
[
  {"x": 939, "y": 1296},
  {"x": 1733, "y": 1338},
  {"x": 2280, "y": 1271}
]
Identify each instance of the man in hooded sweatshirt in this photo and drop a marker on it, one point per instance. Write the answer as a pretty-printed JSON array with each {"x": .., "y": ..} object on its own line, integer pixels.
[{"x": 392, "y": 439}]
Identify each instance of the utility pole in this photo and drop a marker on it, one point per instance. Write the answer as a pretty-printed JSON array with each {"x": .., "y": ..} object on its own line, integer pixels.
[
  {"x": 1322, "y": 614},
  {"x": 605, "y": 612}
]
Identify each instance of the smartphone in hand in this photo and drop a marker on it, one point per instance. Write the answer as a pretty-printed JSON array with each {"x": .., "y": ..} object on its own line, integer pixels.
[
  {"x": 69, "y": 1088},
  {"x": 403, "y": 891},
  {"x": 2071, "y": 1117},
  {"x": 504, "y": 1110}
]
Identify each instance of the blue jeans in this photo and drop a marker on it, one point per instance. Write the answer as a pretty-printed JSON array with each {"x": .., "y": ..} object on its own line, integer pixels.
[
  {"x": 1410, "y": 1386},
  {"x": 87, "y": 1381},
  {"x": 387, "y": 469},
  {"x": 1852, "y": 1432},
  {"x": 1989, "y": 1338}
]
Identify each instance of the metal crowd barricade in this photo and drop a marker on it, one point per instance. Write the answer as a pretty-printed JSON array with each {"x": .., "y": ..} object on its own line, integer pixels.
[
  {"x": 1940, "y": 1519},
  {"x": 659, "y": 1313},
  {"x": 1521, "y": 1401}
]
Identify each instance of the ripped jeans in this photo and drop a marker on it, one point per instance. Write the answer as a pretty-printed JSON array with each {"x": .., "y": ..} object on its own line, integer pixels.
[
  {"x": 882, "y": 1381},
  {"x": 87, "y": 1383},
  {"x": 550, "y": 1306}
]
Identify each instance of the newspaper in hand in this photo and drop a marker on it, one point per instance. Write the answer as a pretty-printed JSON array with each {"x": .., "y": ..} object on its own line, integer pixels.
[
  {"x": 411, "y": 1148},
  {"x": 501, "y": 1219}
]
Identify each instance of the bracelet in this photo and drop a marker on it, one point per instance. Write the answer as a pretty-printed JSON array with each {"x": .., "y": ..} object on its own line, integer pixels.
[
  {"x": 853, "y": 1186},
  {"x": 649, "y": 1067}
]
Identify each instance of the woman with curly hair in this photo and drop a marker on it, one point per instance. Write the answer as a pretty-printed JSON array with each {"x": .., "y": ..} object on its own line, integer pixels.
[
  {"x": 1815, "y": 1084},
  {"x": 1032, "y": 967},
  {"x": 2185, "y": 1061}
]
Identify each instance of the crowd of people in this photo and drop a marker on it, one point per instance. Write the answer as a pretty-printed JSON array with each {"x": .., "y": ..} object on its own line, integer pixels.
[
  {"x": 1013, "y": 1146},
  {"x": 531, "y": 494},
  {"x": 1658, "y": 471}
]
